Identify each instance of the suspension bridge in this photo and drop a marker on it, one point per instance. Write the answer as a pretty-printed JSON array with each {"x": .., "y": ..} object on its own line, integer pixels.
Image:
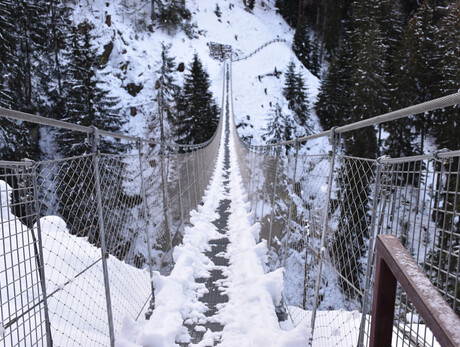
[{"x": 226, "y": 243}]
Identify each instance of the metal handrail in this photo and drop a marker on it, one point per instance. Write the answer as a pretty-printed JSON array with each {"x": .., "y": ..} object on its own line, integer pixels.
[
  {"x": 442, "y": 102},
  {"x": 394, "y": 264},
  {"x": 27, "y": 117}
]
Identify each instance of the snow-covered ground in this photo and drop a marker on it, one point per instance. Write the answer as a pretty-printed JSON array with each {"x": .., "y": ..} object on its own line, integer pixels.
[
  {"x": 73, "y": 279},
  {"x": 136, "y": 56}
]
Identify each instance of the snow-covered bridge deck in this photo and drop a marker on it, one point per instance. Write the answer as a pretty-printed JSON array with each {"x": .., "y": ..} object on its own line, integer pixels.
[{"x": 219, "y": 275}]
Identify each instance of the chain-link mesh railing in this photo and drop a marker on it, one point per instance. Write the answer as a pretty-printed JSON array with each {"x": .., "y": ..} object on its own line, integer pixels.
[
  {"x": 419, "y": 202},
  {"x": 106, "y": 223},
  {"x": 23, "y": 296},
  {"x": 320, "y": 214}
]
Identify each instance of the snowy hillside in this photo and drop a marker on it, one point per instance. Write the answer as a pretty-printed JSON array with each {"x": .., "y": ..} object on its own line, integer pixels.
[{"x": 136, "y": 54}]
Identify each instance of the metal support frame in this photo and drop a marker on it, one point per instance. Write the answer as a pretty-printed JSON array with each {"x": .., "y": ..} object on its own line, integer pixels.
[
  {"x": 181, "y": 201},
  {"x": 104, "y": 253},
  {"x": 272, "y": 212},
  {"x": 332, "y": 153},
  {"x": 165, "y": 200},
  {"x": 147, "y": 235},
  {"x": 49, "y": 337},
  {"x": 394, "y": 264},
  {"x": 188, "y": 188},
  {"x": 371, "y": 251},
  {"x": 291, "y": 202},
  {"x": 195, "y": 175}
]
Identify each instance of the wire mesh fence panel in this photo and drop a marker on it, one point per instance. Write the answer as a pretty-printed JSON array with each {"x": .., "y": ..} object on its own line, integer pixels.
[
  {"x": 419, "y": 203},
  {"x": 125, "y": 233},
  {"x": 409, "y": 328},
  {"x": 23, "y": 312},
  {"x": 71, "y": 239},
  {"x": 301, "y": 244},
  {"x": 345, "y": 252},
  {"x": 73, "y": 265},
  {"x": 159, "y": 231}
]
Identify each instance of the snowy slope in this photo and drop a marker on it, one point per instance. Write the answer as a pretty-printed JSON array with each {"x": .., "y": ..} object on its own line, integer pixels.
[
  {"x": 74, "y": 283},
  {"x": 136, "y": 54}
]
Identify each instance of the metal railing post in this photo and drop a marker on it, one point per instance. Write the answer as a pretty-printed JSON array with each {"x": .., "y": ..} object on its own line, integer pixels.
[
  {"x": 189, "y": 187},
  {"x": 40, "y": 255},
  {"x": 147, "y": 235},
  {"x": 332, "y": 154},
  {"x": 371, "y": 251},
  {"x": 195, "y": 177},
  {"x": 104, "y": 253},
  {"x": 264, "y": 191},
  {"x": 257, "y": 156},
  {"x": 290, "y": 204},
  {"x": 181, "y": 202},
  {"x": 165, "y": 196},
  {"x": 272, "y": 212},
  {"x": 395, "y": 265}
]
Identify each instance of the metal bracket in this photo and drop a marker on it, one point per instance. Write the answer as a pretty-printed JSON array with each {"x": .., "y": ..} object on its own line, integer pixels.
[
  {"x": 439, "y": 151},
  {"x": 95, "y": 140},
  {"x": 383, "y": 157},
  {"x": 332, "y": 135}
]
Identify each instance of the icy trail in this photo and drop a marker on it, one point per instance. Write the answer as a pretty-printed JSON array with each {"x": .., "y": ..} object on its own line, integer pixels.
[{"x": 218, "y": 291}]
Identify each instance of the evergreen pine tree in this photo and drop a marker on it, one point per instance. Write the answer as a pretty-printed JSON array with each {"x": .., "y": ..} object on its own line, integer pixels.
[
  {"x": 417, "y": 75},
  {"x": 14, "y": 135},
  {"x": 279, "y": 127},
  {"x": 334, "y": 17},
  {"x": 295, "y": 93},
  {"x": 197, "y": 113},
  {"x": 446, "y": 135},
  {"x": 87, "y": 104},
  {"x": 172, "y": 13},
  {"x": 6, "y": 44},
  {"x": 401, "y": 135},
  {"x": 289, "y": 9},
  {"x": 333, "y": 105},
  {"x": 365, "y": 94},
  {"x": 251, "y": 4},
  {"x": 166, "y": 90},
  {"x": 447, "y": 121},
  {"x": 31, "y": 36},
  {"x": 290, "y": 84},
  {"x": 301, "y": 105},
  {"x": 50, "y": 99},
  {"x": 305, "y": 48},
  {"x": 315, "y": 67}
]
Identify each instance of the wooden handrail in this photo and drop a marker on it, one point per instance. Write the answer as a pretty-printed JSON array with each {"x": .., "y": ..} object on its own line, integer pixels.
[{"x": 394, "y": 264}]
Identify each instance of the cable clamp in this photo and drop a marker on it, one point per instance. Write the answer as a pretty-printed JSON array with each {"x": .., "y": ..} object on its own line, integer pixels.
[
  {"x": 332, "y": 135},
  {"x": 439, "y": 151},
  {"x": 383, "y": 157}
]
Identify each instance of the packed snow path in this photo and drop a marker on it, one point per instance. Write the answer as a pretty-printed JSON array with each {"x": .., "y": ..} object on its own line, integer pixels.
[
  {"x": 217, "y": 254},
  {"x": 219, "y": 291}
]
